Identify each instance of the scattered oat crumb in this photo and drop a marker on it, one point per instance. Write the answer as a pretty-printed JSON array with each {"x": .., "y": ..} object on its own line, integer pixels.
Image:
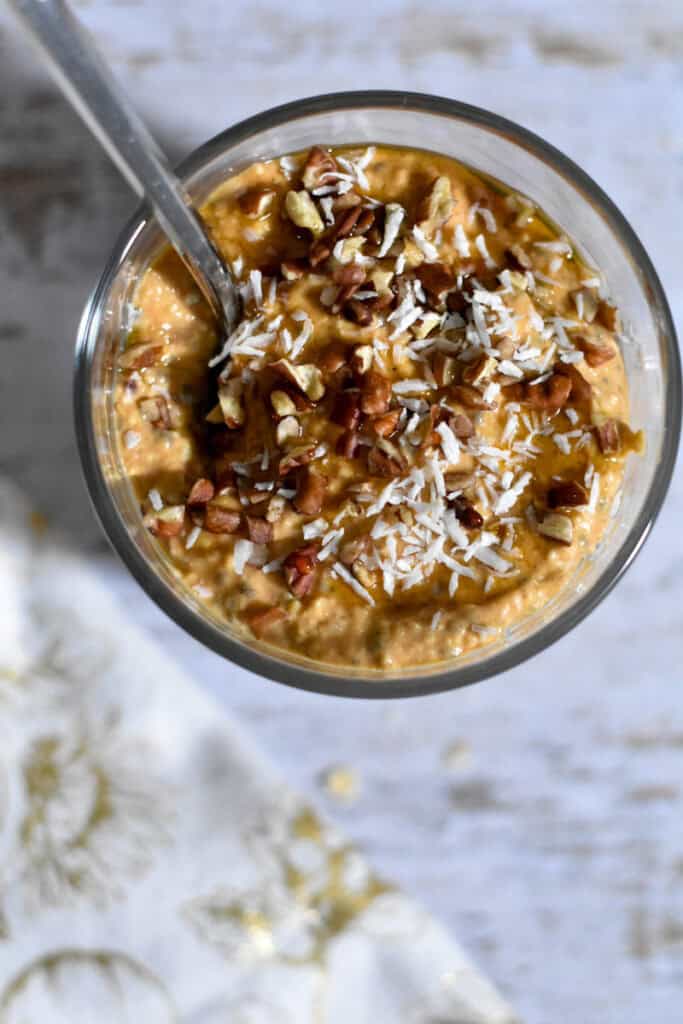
[
  {"x": 341, "y": 783},
  {"x": 456, "y": 755}
]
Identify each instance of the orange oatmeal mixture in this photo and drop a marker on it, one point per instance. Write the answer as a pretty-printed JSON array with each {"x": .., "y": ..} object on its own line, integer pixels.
[{"x": 417, "y": 431}]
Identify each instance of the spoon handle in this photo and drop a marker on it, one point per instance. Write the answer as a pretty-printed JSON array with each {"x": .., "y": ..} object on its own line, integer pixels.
[{"x": 84, "y": 77}]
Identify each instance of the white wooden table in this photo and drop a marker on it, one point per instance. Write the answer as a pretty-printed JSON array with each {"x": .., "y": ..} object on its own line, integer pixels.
[{"x": 553, "y": 844}]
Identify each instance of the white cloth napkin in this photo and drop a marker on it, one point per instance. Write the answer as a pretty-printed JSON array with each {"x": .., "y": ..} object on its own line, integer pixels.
[{"x": 153, "y": 867}]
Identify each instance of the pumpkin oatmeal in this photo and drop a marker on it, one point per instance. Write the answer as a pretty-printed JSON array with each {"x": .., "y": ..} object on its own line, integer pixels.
[{"x": 415, "y": 435}]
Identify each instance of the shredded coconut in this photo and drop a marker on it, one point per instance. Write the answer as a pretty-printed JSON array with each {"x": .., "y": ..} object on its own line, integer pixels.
[
  {"x": 339, "y": 570},
  {"x": 241, "y": 553},
  {"x": 462, "y": 245},
  {"x": 429, "y": 251},
  {"x": 480, "y": 243},
  {"x": 155, "y": 499},
  {"x": 393, "y": 220},
  {"x": 192, "y": 537}
]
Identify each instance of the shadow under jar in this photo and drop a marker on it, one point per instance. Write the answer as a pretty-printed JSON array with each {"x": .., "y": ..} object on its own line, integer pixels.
[{"x": 526, "y": 165}]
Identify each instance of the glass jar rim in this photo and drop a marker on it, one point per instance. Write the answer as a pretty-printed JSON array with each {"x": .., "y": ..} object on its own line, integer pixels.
[{"x": 379, "y": 685}]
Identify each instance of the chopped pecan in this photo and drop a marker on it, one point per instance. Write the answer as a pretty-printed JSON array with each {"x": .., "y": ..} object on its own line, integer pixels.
[
  {"x": 310, "y": 492},
  {"x": 300, "y": 400},
  {"x": 202, "y": 491},
  {"x": 346, "y": 222},
  {"x": 301, "y": 455},
  {"x": 517, "y": 258},
  {"x": 346, "y": 292},
  {"x": 218, "y": 519},
  {"x": 581, "y": 391},
  {"x": 156, "y": 412},
  {"x": 353, "y": 549},
  {"x": 287, "y": 429},
  {"x": 359, "y": 312},
  {"x": 223, "y": 473},
  {"x": 364, "y": 222},
  {"x": 342, "y": 378},
  {"x": 347, "y": 444},
  {"x": 361, "y": 359},
  {"x": 567, "y": 494},
  {"x": 458, "y": 481},
  {"x": 466, "y": 513},
  {"x": 374, "y": 235},
  {"x": 332, "y": 357},
  {"x": 293, "y": 270},
  {"x": 513, "y": 392},
  {"x": 215, "y": 415},
  {"x": 301, "y": 586},
  {"x": 426, "y": 324},
  {"x": 594, "y": 353},
  {"x": 139, "y": 357},
  {"x": 402, "y": 286},
  {"x": 249, "y": 493},
  {"x": 350, "y": 249},
  {"x": 430, "y": 436},
  {"x": 443, "y": 368},
  {"x": 261, "y": 620},
  {"x": 550, "y": 395},
  {"x": 275, "y": 508},
  {"x": 320, "y": 251},
  {"x": 386, "y": 423},
  {"x": 363, "y": 574},
  {"x": 256, "y": 201},
  {"x": 319, "y": 162},
  {"x": 260, "y": 531},
  {"x": 303, "y": 212},
  {"x": 468, "y": 396},
  {"x": 608, "y": 316},
  {"x": 348, "y": 273},
  {"x": 283, "y": 404},
  {"x": 480, "y": 370},
  {"x": 383, "y": 462},
  {"x": 299, "y": 569},
  {"x": 346, "y": 410},
  {"x": 557, "y": 527},
  {"x": 437, "y": 280},
  {"x": 362, "y": 487},
  {"x": 381, "y": 280},
  {"x": 375, "y": 394},
  {"x": 380, "y": 302},
  {"x": 258, "y": 507},
  {"x": 169, "y": 521},
  {"x": 457, "y": 302},
  {"x": 307, "y": 377},
  {"x": 345, "y": 200},
  {"x": 461, "y": 426},
  {"x": 506, "y": 347},
  {"x": 608, "y": 437},
  {"x": 230, "y": 400},
  {"x": 437, "y": 206}
]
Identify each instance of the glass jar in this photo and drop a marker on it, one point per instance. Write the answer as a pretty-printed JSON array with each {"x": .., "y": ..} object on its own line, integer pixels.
[{"x": 526, "y": 164}]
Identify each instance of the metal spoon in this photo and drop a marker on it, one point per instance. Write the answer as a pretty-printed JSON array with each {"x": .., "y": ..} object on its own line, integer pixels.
[{"x": 89, "y": 85}]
